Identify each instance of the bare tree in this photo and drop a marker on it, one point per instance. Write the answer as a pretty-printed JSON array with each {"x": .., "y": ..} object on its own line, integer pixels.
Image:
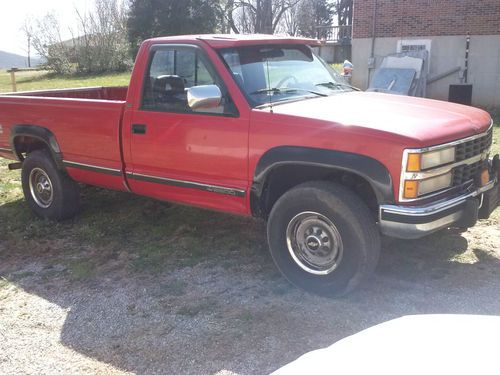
[
  {"x": 343, "y": 9},
  {"x": 102, "y": 42},
  {"x": 311, "y": 15},
  {"x": 27, "y": 30},
  {"x": 258, "y": 16},
  {"x": 290, "y": 22},
  {"x": 98, "y": 44},
  {"x": 47, "y": 42},
  {"x": 225, "y": 10}
]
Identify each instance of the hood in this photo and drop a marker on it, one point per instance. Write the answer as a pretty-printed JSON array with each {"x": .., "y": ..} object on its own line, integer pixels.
[{"x": 427, "y": 122}]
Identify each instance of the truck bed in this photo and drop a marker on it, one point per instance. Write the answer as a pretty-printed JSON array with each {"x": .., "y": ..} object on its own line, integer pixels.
[
  {"x": 85, "y": 122},
  {"x": 97, "y": 93}
]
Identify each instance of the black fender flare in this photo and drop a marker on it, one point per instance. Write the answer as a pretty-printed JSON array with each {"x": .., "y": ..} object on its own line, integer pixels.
[
  {"x": 371, "y": 170},
  {"x": 40, "y": 133}
]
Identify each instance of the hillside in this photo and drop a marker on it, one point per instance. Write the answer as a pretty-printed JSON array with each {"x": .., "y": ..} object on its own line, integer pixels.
[{"x": 9, "y": 60}]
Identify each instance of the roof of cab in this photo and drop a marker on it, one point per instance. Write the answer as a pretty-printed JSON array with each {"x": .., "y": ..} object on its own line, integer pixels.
[{"x": 236, "y": 40}]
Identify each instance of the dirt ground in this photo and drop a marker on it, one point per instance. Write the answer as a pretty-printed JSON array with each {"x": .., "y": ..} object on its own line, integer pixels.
[{"x": 140, "y": 286}]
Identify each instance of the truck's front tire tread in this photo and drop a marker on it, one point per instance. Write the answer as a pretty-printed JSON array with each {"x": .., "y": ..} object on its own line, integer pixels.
[{"x": 355, "y": 223}]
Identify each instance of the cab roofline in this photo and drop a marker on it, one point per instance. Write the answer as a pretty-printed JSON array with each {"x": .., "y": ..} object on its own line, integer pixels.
[{"x": 236, "y": 40}]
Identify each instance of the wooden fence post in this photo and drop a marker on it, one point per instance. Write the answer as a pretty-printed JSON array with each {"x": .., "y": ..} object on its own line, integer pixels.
[{"x": 13, "y": 78}]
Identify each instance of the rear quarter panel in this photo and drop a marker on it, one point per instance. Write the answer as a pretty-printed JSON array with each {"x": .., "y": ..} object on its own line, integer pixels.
[{"x": 87, "y": 131}]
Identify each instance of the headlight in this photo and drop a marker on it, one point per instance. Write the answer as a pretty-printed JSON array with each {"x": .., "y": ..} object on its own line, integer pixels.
[
  {"x": 422, "y": 161},
  {"x": 416, "y": 188},
  {"x": 436, "y": 158},
  {"x": 433, "y": 184},
  {"x": 416, "y": 177}
]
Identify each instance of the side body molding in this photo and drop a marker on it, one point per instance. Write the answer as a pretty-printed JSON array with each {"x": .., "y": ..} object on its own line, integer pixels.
[
  {"x": 374, "y": 172},
  {"x": 41, "y": 134}
]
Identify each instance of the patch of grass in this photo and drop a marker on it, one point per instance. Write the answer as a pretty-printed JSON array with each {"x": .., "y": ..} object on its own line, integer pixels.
[
  {"x": 495, "y": 114},
  {"x": 280, "y": 289},
  {"x": 41, "y": 80},
  {"x": 151, "y": 257},
  {"x": 205, "y": 307},
  {"x": 3, "y": 283},
  {"x": 81, "y": 269},
  {"x": 175, "y": 288},
  {"x": 91, "y": 232},
  {"x": 467, "y": 257},
  {"x": 149, "y": 235},
  {"x": 157, "y": 255},
  {"x": 246, "y": 316},
  {"x": 495, "y": 148},
  {"x": 10, "y": 183},
  {"x": 185, "y": 237},
  {"x": 337, "y": 67},
  {"x": 21, "y": 275},
  {"x": 52, "y": 274}
]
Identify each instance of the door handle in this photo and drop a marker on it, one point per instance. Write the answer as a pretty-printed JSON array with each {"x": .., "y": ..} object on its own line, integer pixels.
[{"x": 138, "y": 129}]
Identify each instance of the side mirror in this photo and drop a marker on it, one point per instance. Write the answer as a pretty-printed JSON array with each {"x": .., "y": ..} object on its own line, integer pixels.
[{"x": 204, "y": 97}]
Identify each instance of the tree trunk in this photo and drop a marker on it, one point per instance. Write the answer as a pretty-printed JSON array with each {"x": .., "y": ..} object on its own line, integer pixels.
[
  {"x": 267, "y": 16},
  {"x": 264, "y": 17},
  {"x": 29, "y": 51}
]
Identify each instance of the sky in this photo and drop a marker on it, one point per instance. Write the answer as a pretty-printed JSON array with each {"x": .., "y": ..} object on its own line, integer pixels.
[{"x": 14, "y": 12}]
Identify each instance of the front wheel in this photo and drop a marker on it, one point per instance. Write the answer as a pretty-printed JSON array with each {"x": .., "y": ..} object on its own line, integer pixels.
[{"x": 323, "y": 238}]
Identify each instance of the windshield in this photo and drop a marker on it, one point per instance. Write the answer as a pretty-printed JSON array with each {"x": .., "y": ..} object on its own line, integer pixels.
[{"x": 276, "y": 73}]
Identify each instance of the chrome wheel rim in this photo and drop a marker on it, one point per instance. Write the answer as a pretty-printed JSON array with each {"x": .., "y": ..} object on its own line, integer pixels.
[
  {"x": 41, "y": 187},
  {"x": 314, "y": 243}
]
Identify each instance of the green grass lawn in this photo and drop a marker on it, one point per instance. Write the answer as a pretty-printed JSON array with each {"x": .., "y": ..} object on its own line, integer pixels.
[{"x": 40, "y": 80}]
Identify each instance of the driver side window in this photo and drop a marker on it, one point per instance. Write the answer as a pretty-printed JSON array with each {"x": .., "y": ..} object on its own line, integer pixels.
[{"x": 171, "y": 72}]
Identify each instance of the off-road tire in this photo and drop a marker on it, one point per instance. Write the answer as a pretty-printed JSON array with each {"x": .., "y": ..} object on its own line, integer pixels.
[
  {"x": 65, "y": 196},
  {"x": 354, "y": 223}
]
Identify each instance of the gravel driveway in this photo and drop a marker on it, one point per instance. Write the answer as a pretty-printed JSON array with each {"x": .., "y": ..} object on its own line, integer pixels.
[{"x": 96, "y": 296}]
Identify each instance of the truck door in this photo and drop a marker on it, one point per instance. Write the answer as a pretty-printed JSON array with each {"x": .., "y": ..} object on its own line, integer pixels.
[{"x": 197, "y": 157}]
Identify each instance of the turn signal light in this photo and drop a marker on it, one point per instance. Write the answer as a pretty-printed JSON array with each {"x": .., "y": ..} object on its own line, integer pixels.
[
  {"x": 413, "y": 164},
  {"x": 485, "y": 177},
  {"x": 411, "y": 189}
]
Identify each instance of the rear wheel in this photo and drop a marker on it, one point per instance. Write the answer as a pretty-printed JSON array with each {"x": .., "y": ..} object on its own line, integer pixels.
[
  {"x": 49, "y": 192},
  {"x": 323, "y": 238}
]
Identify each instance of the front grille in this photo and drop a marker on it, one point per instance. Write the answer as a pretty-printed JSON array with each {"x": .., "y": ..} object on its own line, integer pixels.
[
  {"x": 466, "y": 173},
  {"x": 474, "y": 147},
  {"x": 466, "y": 150}
]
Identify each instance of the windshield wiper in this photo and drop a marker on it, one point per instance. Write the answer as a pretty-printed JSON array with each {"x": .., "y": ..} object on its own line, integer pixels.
[
  {"x": 336, "y": 84},
  {"x": 288, "y": 90}
]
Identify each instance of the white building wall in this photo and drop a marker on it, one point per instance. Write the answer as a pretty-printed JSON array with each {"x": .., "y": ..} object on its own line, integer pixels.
[{"x": 447, "y": 52}]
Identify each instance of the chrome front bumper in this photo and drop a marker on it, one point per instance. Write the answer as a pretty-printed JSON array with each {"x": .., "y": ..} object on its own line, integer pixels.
[{"x": 419, "y": 221}]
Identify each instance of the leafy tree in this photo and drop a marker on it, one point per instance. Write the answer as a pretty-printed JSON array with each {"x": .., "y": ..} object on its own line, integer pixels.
[{"x": 153, "y": 18}]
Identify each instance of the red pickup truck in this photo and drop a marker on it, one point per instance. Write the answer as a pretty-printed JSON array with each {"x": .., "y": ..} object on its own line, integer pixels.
[{"x": 261, "y": 126}]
